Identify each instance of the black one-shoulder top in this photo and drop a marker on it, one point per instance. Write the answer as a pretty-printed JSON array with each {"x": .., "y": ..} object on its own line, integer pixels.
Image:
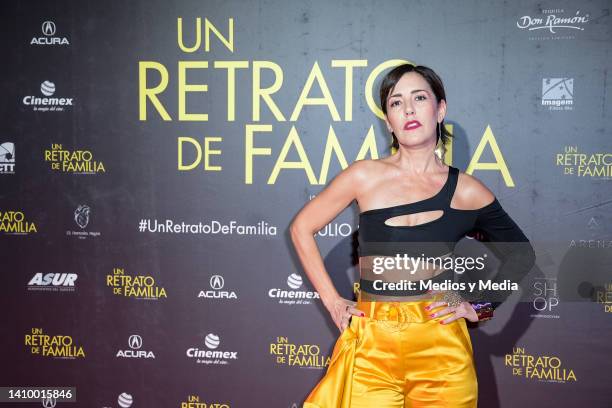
[{"x": 439, "y": 236}]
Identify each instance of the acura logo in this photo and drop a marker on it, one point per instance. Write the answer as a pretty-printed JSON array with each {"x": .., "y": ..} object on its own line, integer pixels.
[
  {"x": 217, "y": 282},
  {"x": 48, "y": 28},
  {"x": 135, "y": 341}
]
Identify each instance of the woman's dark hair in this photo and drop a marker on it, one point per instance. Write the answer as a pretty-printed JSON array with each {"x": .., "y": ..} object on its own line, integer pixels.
[{"x": 392, "y": 78}]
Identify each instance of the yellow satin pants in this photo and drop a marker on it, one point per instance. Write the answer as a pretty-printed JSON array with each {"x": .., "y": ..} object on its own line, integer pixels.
[{"x": 397, "y": 356}]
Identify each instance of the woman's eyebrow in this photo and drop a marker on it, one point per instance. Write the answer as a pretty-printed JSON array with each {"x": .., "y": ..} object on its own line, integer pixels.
[{"x": 415, "y": 91}]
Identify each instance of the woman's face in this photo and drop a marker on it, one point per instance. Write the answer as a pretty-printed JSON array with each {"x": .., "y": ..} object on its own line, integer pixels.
[{"x": 413, "y": 111}]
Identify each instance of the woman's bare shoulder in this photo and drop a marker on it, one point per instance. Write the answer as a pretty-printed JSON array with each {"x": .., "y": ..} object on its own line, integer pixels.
[
  {"x": 365, "y": 170},
  {"x": 471, "y": 193}
]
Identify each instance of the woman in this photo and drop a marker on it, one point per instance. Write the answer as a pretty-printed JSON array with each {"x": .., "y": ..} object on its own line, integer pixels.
[{"x": 392, "y": 352}]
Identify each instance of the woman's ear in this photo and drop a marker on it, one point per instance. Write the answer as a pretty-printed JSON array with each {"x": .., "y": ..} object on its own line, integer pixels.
[
  {"x": 389, "y": 128},
  {"x": 441, "y": 110}
]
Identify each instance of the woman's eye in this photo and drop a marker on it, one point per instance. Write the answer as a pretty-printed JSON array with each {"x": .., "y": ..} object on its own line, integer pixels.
[
  {"x": 420, "y": 96},
  {"x": 394, "y": 103}
]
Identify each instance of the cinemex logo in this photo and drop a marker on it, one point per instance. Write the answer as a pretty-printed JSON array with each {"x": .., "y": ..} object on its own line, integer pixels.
[
  {"x": 53, "y": 282},
  {"x": 135, "y": 344},
  {"x": 48, "y": 37},
  {"x": 125, "y": 400},
  {"x": 47, "y": 103},
  {"x": 558, "y": 93},
  {"x": 7, "y": 158},
  {"x": 293, "y": 296},
  {"x": 217, "y": 283},
  {"x": 212, "y": 356}
]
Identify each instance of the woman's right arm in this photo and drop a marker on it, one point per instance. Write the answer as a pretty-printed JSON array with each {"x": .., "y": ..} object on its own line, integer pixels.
[{"x": 315, "y": 215}]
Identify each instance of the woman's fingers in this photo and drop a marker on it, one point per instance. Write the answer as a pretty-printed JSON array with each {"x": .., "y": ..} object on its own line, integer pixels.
[
  {"x": 434, "y": 305},
  {"x": 442, "y": 312},
  {"x": 356, "y": 312}
]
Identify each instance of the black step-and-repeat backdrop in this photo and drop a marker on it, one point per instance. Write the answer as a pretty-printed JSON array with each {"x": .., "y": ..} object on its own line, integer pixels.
[{"x": 153, "y": 154}]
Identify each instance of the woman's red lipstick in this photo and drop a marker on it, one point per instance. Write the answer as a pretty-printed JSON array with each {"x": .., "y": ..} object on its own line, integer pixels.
[{"x": 412, "y": 124}]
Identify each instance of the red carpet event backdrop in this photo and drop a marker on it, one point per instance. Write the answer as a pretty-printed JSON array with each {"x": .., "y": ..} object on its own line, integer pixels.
[{"x": 153, "y": 155}]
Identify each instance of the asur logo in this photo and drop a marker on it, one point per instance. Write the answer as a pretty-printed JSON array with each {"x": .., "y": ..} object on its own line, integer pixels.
[{"x": 48, "y": 28}]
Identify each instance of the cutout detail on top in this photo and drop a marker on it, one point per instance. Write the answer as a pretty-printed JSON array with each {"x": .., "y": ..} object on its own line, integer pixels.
[{"x": 414, "y": 219}]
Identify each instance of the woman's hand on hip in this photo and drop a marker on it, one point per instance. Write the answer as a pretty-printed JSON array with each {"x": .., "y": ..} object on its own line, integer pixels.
[{"x": 341, "y": 311}]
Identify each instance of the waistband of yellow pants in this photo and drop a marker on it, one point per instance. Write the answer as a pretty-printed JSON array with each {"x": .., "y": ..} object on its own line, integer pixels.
[{"x": 408, "y": 311}]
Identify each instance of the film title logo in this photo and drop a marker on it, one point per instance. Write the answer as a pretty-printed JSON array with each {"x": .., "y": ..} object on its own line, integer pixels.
[
  {"x": 298, "y": 355},
  {"x": 58, "y": 346},
  {"x": 293, "y": 296},
  {"x": 157, "y": 87},
  {"x": 604, "y": 296},
  {"x": 138, "y": 287},
  {"x": 194, "y": 401},
  {"x": 211, "y": 356},
  {"x": 540, "y": 368},
  {"x": 594, "y": 165},
  {"x": 76, "y": 161},
  {"x": 7, "y": 158},
  {"x": 15, "y": 223}
]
